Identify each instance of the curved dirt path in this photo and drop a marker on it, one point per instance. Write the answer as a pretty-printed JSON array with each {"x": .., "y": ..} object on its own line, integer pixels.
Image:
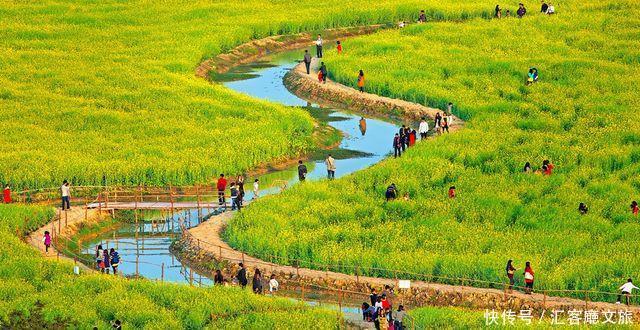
[
  {"x": 206, "y": 237},
  {"x": 333, "y": 94},
  {"x": 74, "y": 218}
]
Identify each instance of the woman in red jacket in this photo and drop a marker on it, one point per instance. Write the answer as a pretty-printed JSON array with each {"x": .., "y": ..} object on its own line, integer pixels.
[
  {"x": 528, "y": 278},
  {"x": 634, "y": 208}
]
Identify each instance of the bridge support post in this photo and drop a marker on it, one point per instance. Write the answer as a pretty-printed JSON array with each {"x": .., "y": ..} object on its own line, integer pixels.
[{"x": 162, "y": 273}]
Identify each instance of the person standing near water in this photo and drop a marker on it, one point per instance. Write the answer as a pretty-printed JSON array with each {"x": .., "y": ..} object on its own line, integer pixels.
[
  {"x": 242, "y": 276},
  {"x": 218, "y": 279},
  {"x": 339, "y": 47},
  {"x": 397, "y": 146},
  {"x": 65, "y": 191},
  {"x": 319, "y": 43},
  {"x": 115, "y": 260},
  {"x": 361, "y": 81},
  {"x": 106, "y": 259},
  {"x": 331, "y": 167},
  {"x": 423, "y": 128},
  {"x": 256, "y": 188},
  {"x": 302, "y": 171},
  {"x": 307, "y": 61},
  {"x": 240, "y": 184}
]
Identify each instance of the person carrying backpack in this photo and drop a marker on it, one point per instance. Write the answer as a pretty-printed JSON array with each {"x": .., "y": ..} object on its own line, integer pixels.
[{"x": 115, "y": 260}]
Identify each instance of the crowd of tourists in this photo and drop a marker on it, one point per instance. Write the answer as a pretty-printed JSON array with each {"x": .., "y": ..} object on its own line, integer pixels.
[
  {"x": 242, "y": 279},
  {"x": 380, "y": 310},
  {"x": 106, "y": 259}
]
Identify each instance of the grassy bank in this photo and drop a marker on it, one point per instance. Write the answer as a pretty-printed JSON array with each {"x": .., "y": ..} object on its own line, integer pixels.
[{"x": 580, "y": 115}]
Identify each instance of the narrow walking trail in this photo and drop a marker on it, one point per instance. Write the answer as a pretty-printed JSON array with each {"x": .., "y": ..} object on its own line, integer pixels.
[
  {"x": 208, "y": 238},
  {"x": 67, "y": 225}
]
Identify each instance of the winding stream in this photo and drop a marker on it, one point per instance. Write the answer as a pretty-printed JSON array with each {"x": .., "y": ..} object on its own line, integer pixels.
[{"x": 149, "y": 242}]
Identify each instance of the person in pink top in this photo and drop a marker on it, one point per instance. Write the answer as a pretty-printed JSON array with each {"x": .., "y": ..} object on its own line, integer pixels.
[{"x": 47, "y": 241}]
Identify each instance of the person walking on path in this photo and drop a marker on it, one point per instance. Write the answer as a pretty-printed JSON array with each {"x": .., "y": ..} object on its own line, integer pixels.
[
  {"x": 331, "y": 167},
  {"x": 115, "y": 260},
  {"x": 302, "y": 171},
  {"x": 373, "y": 297},
  {"x": 634, "y": 208},
  {"x": 6, "y": 194},
  {"x": 397, "y": 146},
  {"x": 256, "y": 188},
  {"x": 626, "y": 290},
  {"x": 528, "y": 278},
  {"x": 241, "y": 193},
  {"x": 65, "y": 191},
  {"x": 521, "y": 10},
  {"x": 47, "y": 241},
  {"x": 339, "y": 47},
  {"x": 221, "y": 185},
  {"x": 400, "y": 314},
  {"x": 437, "y": 122},
  {"x": 235, "y": 197},
  {"x": 361, "y": 81},
  {"x": 319, "y": 43},
  {"x": 445, "y": 125},
  {"x": 323, "y": 72},
  {"x": 218, "y": 279},
  {"x": 402, "y": 137},
  {"x": 273, "y": 284},
  {"x": 106, "y": 259},
  {"x": 307, "y": 61},
  {"x": 412, "y": 137},
  {"x": 257, "y": 282},
  {"x": 423, "y": 129},
  {"x": 98, "y": 257},
  {"x": 498, "y": 12},
  {"x": 510, "y": 272},
  {"x": 242, "y": 276}
]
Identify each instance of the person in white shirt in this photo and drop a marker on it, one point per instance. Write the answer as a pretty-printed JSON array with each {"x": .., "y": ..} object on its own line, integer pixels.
[
  {"x": 256, "y": 188},
  {"x": 423, "y": 128},
  {"x": 319, "y": 46},
  {"x": 626, "y": 290},
  {"x": 65, "y": 190},
  {"x": 551, "y": 9},
  {"x": 273, "y": 284}
]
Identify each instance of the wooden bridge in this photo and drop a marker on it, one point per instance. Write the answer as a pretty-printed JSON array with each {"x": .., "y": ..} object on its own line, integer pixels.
[{"x": 178, "y": 205}]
